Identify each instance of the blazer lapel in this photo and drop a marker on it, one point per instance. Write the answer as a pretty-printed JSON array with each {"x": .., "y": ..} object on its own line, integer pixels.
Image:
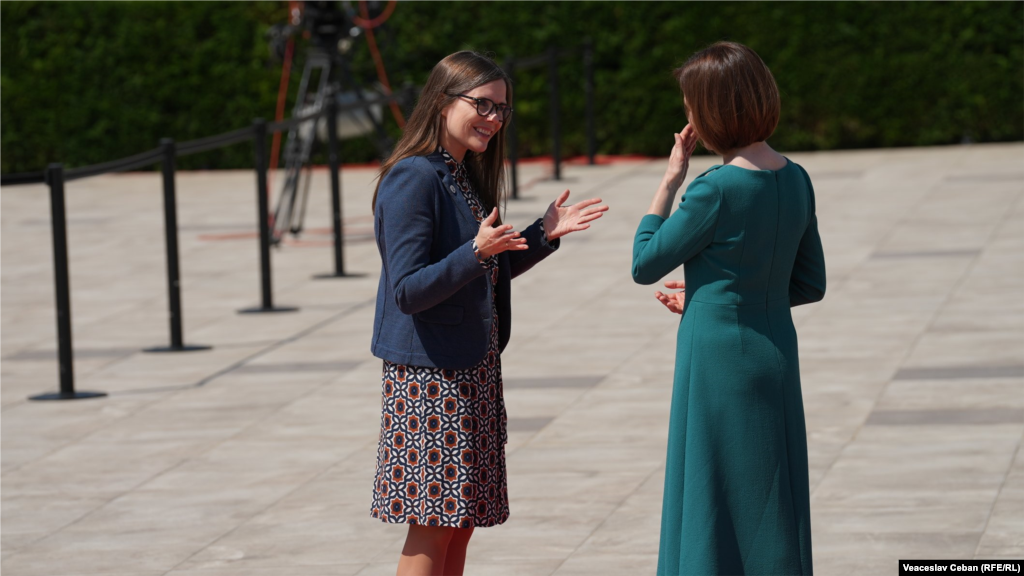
[{"x": 452, "y": 189}]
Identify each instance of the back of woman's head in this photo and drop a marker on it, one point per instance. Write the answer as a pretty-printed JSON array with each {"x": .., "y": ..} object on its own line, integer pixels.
[
  {"x": 456, "y": 74},
  {"x": 730, "y": 96}
]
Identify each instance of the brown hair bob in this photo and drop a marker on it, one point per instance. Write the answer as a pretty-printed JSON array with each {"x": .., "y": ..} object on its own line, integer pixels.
[
  {"x": 456, "y": 74},
  {"x": 730, "y": 96}
]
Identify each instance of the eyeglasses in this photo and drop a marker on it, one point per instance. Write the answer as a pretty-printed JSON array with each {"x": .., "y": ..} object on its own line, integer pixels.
[{"x": 486, "y": 107}]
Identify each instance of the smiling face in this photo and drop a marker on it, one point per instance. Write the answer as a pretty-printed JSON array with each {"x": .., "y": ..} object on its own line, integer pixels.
[{"x": 464, "y": 128}]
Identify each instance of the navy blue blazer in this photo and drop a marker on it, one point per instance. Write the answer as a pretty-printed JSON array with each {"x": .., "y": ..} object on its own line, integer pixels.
[{"x": 434, "y": 297}]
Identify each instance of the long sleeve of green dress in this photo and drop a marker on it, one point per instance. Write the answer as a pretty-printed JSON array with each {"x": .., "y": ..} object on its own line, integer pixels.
[
  {"x": 660, "y": 246},
  {"x": 807, "y": 283}
]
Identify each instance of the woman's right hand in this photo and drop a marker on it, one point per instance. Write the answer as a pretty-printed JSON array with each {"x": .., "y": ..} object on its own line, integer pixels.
[
  {"x": 493, "y": 239},
  {"x": 675, "y": 301}
]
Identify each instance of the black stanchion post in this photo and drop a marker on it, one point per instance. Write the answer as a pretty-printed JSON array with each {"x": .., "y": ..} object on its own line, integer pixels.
[
  {"x": 260, "y": 159},
  {"x": 556, "y": 131},
  {"x": 513, "y": 135},
  {"x": 167, "y": 148},
  {"x": 334, "y": 166},
  {"x": 62, "y": 283},
  {"x": 260, "y": 145},
  {"x": 588, "y": 70},
  {"x": 171, "y": 231}
]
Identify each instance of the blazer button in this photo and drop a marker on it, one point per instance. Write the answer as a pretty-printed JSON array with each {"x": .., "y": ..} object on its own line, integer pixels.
[{"x": 452, "y": 188}]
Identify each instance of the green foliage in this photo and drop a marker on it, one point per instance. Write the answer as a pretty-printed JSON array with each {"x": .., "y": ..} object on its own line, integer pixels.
[{"x": 87, "y": 82}]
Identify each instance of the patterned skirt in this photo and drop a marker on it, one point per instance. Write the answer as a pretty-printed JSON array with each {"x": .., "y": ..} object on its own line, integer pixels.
[{"x": 441, "y": 453}]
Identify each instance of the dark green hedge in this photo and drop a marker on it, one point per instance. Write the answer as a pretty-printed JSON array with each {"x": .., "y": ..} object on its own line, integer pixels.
[{"x": 83, "y": 82}]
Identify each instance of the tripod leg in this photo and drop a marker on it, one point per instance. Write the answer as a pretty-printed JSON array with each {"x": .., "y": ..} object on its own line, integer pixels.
[
  {"x": 308, "y": 178},
  {"x": 282, "y": 211},
  {"x": 304, "y": 149},
  {"x": 285, "y": 204},
  {"x": 285, "y": 209},
  {"x": 302, "y": 162},
  {"x": 300, "y": 216},
  {"x": 297, "y": 146}
]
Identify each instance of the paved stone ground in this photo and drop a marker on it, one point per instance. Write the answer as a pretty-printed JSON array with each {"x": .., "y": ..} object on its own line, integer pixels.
[{"x": 256, "y": 458}]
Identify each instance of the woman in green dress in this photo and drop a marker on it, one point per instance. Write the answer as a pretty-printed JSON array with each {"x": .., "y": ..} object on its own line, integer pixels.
[{"x": 736, "y": 483}]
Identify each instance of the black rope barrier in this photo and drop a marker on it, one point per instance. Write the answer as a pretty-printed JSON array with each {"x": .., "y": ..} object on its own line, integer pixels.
[
  {"x": 340, "y": 108},
  {"x": 127, "y": 163},
  {"x": 290, "y": 123},
  {"x": 19, "y": 178},
  {"x": 214, "y": 142},
  {"x": 55, "y": 177}
]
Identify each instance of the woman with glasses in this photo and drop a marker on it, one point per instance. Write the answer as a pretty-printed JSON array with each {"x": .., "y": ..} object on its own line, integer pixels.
[
  {"x": 736, "y": 483},
  {"x": 443, "y": 311}
]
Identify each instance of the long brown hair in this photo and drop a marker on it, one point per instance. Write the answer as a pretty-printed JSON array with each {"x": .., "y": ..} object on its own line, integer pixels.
[
  {"x": 455, "y": 74},
  {"x": 731, "y": 96}
]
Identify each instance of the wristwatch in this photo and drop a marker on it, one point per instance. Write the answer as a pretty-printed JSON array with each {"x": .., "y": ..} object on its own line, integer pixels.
[{"x": 476, "y": 252}]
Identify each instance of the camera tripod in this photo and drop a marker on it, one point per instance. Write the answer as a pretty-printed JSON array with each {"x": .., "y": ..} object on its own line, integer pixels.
[{"x": 326, "y": 65}]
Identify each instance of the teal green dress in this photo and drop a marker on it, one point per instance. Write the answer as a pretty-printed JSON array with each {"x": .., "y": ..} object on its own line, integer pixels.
[{"x": 736, "y": 484}]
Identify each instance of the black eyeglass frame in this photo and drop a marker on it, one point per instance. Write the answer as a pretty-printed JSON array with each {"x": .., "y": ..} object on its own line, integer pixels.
[{"x": 494, "y": 107}]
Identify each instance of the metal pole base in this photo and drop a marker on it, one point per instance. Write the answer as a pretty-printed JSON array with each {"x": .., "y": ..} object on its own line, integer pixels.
[
  {"x": 330, "y": 275},
  {"x": 185, "y": 348},
  {"x": 268, "y": 310},
  {"x": 77, "y": 395}
]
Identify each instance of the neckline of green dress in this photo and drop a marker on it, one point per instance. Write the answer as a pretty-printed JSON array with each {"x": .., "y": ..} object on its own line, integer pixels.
[{"x": 717, "y": 166}]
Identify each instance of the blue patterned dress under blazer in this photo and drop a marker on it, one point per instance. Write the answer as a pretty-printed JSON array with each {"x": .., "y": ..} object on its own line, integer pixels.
[{"x": 442, "y": 320}]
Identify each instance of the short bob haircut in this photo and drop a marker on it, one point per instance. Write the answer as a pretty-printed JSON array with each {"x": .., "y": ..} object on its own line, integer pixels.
[{"x": 730, "y": 96}]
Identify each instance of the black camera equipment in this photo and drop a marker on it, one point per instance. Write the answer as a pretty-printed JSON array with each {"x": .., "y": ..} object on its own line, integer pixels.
[{"x": 332, "y": 31}]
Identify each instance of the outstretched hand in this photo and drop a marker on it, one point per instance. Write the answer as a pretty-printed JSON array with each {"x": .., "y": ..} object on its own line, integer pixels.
[
  {"x": 493, "y": 239},
  {"x": 560, "y": 220},
  {"x": 674, "y": 301}
]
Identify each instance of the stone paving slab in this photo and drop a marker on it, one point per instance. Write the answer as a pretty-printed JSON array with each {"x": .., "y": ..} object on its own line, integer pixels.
[{"x": 256, "y": 458}]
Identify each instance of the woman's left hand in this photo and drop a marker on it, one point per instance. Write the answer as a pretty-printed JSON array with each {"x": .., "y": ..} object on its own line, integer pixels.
[
  {"x": 560, "y": 220},
  {"x": 674, "y": 301}
]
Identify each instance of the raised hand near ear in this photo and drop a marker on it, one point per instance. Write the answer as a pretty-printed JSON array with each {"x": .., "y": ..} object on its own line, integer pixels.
[
  {"x": 679, "y": 159},
  {"x": 560, "y": 220}
]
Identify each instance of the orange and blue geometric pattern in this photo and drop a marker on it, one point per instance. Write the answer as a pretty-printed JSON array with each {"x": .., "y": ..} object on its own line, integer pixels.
[{"x": 441, "y": 453}]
